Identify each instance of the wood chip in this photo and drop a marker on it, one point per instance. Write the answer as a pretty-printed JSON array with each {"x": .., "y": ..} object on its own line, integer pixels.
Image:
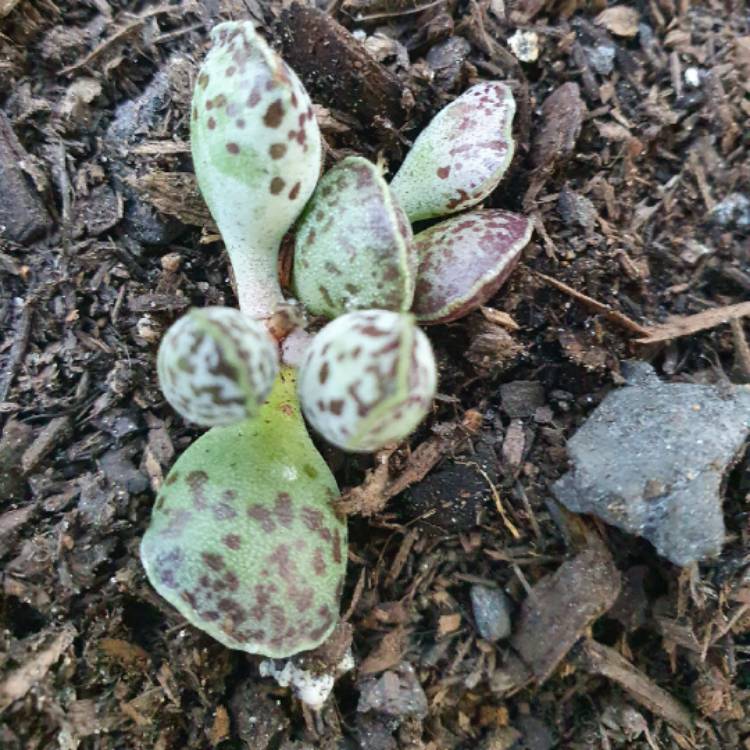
[
  {"x": 372, "y": 495},
  {"x": 46, "y": 441},
  {"x": 621, "y": 20},
  {"x": 23, "y": 216},
  {"x": 129, "y": 655},
  {"x": 500, "y": 318},
  {"x": 6, "y": 6},
  {"x": 449, "y": 623},
  {"x": 174, "y": 194},
  {"x": 561, "y": 607},
  {"x": 562, "y": 118},
  {"x": 32, "y": 672},
  {"x": 220, "y": 729},
  {"x": 686, "y": 325},
  {"x": 337, "y": 69},
  {"x": 388, "y": 653},
  {"x": 606, "y": 662}
]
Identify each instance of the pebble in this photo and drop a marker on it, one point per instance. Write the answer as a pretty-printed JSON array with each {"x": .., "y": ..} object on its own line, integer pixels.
[
  {"x": 521, "y": 398},
  {"x": 733, "y": 212},
  {"x": 396, "y": 692},
  {"x": 601, "y": 58},
  {"x": 525, "y": 45},
  {"x": 491, "y": 612}
]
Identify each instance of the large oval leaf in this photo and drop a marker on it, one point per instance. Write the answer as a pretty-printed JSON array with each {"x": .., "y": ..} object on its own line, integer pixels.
[{"x": 244, "y": 540}]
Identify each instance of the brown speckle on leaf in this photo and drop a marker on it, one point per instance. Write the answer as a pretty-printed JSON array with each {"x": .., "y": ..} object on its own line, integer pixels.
[
  {"x": 274, "y": 114},
  {"x": 233, "y": 541}
]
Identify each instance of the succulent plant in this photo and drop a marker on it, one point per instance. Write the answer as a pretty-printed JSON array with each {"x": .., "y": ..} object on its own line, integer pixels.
[
  {"x": 243, "y": 539},
  {"x": 460, "y": 157},
  {"x": 216, "y": 366},
  {"x": 464, "y": 260},
  {"x": 257, "y": 155},
  {"x": 353, "y": 247},
  {"x": 368, "y": 379}
]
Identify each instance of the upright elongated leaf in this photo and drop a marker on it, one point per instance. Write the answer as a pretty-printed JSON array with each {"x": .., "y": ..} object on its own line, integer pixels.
[
  {"x": 257, "y": 155},
  {"x": 460, "y": 157}
]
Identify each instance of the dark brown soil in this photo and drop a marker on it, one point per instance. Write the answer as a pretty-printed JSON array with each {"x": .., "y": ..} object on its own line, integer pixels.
[{"x": 105, "y": 241}]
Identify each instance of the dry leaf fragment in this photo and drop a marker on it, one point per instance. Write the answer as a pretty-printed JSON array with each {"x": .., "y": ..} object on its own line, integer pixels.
[
  {"x": 449, "y": 623},
  {"x": 562, "y": 115},
  {"x": 388, "y": 653},
  {"x": 621, "y": 20}
]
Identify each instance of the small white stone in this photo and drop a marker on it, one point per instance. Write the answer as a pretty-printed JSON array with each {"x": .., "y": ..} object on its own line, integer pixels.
[
  {"x": 525, "y": 45},
  {"x": 311, "y": 689},
  {"x": 692, "y": 77}
]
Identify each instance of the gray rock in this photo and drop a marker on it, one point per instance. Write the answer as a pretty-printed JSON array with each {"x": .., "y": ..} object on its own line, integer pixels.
[
  {"x": 491, "y": 612},
  {"x": 447, "y": 58},
  {"x": 396, "y": 692},
  {"x": 576, "y": 209},
  {"x": 134, "y": 121},
  {"x": 651, "y": 459},
  {"x": 733, "y": 212},
  {"x": 601, "y": 58},
  {"x": 522, "y": 398},
  {"x": 23, "y": 216}
]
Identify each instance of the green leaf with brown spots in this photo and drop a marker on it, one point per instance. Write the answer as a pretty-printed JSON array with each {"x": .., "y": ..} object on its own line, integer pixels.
[
  {"x": 460, "y": 157},
  {"x": 257, "y": 155},
  {"x": 217, "y": 365},
  {"x": 368, "y": 379},
  {"x": 464, "y": 260},
  {"x": 244, "y": 540},
  {"x": 353, "y": 247}
]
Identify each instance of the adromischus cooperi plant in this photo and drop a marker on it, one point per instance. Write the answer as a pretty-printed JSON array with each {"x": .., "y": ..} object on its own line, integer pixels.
[{"x": 243, "y": 540}]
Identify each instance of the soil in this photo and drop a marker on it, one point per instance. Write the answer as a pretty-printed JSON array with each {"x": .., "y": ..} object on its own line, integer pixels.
[{"x": 633, "y": 157}]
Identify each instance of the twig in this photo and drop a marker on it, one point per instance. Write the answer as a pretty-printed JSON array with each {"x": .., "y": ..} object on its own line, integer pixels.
[
  {"x": 612, "y": 315},
  {"x": 741, "y": 350},
  {"x": 689, "y": 324},
  {"x": 515, "y": 533}
]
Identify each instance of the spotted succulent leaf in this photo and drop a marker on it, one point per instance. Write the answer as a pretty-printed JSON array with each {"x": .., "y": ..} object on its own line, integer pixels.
[
  {"x": 464, "y": 260},
  {"x": 368, "y": 379},
  {"x": 257, "y": 155},
  {"x": 216, "y": 366},
  {"x": 460, "y": 157},
  {"x": 353, "y": 247},
  {"x": 243, "y": 538}
]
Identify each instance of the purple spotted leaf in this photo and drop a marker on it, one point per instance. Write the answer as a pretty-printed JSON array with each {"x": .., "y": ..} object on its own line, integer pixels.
[
  {"x": 464, "y": 260},
  {"x": 353, "y": 247},
  {"x": 217, "y": 365},
  {"x": 257, "y": 155},
  {"x": 367, "y": 379},
  {"x": 244, "y": 541},
  {"x": 460, "y": 157}
]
